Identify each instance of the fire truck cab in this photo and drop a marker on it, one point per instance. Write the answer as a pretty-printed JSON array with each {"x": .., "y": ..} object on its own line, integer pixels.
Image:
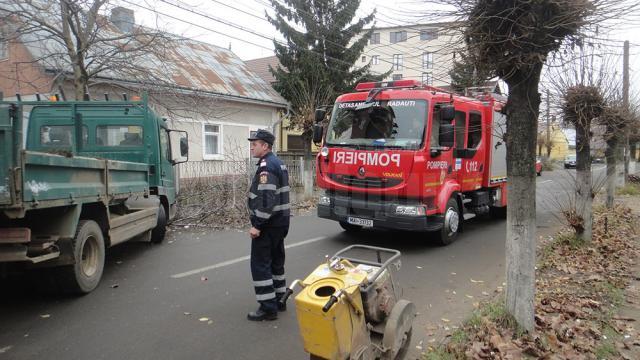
[{"x": 401, "y": 155}]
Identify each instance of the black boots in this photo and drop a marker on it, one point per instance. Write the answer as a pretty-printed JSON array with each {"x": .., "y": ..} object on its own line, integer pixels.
[{"x": 260, "y": 315}]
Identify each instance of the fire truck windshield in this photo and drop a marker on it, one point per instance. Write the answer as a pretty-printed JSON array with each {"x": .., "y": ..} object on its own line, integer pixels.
[{"x": 397, "y": 123}]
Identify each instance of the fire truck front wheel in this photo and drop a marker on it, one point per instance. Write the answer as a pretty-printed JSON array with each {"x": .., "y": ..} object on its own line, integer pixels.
[
  {"x": 350, "y": 228},
  {"x": 451, "y": 224}
]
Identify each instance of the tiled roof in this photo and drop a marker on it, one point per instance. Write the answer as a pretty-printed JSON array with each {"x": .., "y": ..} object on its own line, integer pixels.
[
  {"x": 261, "y": 67},
  {"x": 184, "y": 63}
]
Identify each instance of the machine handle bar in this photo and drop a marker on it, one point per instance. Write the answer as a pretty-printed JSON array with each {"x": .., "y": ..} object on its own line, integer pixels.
[
  {"x": 332, "y": 300},
  {"x": 289, "y": 291},
  {"x": 378, "y": 250},
  {"x": 285, "y": 297}
]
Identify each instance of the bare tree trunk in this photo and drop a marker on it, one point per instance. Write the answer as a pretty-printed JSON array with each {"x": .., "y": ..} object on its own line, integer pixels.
[
  {"x": 522, "y": 112},
  {"x": 548, "y": 150},
  {"x": 584, "y": 192}
]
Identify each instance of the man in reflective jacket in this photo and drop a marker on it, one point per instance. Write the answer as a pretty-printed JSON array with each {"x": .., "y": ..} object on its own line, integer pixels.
[{"x": 269, "y": 209}]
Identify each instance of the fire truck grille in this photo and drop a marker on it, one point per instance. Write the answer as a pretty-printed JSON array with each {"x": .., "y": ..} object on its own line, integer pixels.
[{"x": 367, "y": 182}]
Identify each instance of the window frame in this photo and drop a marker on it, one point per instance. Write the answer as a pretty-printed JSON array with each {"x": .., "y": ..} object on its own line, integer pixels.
[
  {"x": 4, "y": 48},
  {"x": 429, "y": 78},
  {"x": 398, "y": 62},
  {"x": 397, "y": 36},
  {"x": 364, "y": 58},
  {"x": 375, "y": 59},
  {"x": 428, "y": 34},
  {"x": 375, "y": 38},
  {"x": 220, "y": 154},
  {"x": 396, "y": 77},
  {"x": 427, "y": 60}
]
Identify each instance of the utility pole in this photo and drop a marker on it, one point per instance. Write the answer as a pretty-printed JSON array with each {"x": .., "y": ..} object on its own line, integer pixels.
[{"x": 625, "y": 105}]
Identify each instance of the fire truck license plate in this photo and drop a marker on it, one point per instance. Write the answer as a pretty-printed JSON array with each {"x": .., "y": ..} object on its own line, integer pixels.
[{"x": 361, "y": 222}]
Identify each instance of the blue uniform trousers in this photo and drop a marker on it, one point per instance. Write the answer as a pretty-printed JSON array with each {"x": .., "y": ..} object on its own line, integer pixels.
[{"x": 267, "y": 266}]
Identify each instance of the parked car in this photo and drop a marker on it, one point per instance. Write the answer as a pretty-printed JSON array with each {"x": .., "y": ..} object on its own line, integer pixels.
[
  {"x": 597, "y": 160},
  {"x": 570, "y": 161},
  {"x": 538, "y": 166}
]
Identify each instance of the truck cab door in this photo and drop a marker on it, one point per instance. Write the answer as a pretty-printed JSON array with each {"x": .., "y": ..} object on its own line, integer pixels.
[
  {"x": 167, "y": 173},
  {"x": 469, "y": 153}
]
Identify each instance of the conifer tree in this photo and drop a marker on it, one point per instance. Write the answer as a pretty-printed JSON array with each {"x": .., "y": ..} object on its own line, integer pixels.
[{"x": 323, "y": 44}]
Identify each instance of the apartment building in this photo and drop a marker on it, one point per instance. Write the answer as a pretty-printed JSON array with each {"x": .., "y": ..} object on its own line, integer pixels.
[{"x": 423, "y": 52}]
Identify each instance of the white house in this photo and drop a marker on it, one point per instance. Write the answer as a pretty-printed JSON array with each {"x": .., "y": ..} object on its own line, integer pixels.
[{"x": 201, "y": 88}]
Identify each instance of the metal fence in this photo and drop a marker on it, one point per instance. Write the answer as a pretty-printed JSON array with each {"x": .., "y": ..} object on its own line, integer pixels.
[{"x": 217, "y": 169}]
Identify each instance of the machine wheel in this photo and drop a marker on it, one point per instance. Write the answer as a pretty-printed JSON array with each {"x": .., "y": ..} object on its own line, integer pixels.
[
  {"x": 158, "y": 232},
  {"x": 88, "y": 252},
  {"x": 350, "y": 228},
  {"x": 451, "y": 225},
  {"x": 397, "y": 330}
]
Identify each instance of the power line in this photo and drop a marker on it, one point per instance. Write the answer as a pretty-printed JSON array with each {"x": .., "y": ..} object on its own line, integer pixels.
[{"x": 227, "y": 23}]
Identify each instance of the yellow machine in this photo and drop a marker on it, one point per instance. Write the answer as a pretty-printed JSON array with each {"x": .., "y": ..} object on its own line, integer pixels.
[{"x": 349, "y": 308}]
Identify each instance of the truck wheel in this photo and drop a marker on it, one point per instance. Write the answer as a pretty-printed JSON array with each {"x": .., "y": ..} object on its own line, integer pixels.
[
  {"x": 88, "y": 252},
  {"x": 158, "y": 232},
  {"x": 451, "y": 224},
  {"x": 350, "y": 228},
  {"x": 498, "y": 212}
]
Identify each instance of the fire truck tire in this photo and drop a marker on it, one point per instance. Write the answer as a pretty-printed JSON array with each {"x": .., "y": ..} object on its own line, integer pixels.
[
  {"x": 451, "y": 224},
  {"x": 158, "y": 233},
  {"x": 350, "y": 228},
  {"x": 89, "y": 253},
  {"x": 498, "y": 212}
]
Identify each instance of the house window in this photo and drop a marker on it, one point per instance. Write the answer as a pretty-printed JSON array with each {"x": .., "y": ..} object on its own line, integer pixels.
[
  {"x": 4, "y": 49},
  {"x": 397, "y": 62},
  {"x": 427, "y": 60},
  {"x": 375, "y": 59},
  {"x": 212, "y": 142},
  {"x": 397, "y": 36},
  {"x": 397, "y": 76},
  {"x": 427, "y": 79},
  {"x": 375, "y": 39},
  {"x": 364, "y": 59},
  {"x": 428, "y": 34},
  {"x": 295, "y": 143}
]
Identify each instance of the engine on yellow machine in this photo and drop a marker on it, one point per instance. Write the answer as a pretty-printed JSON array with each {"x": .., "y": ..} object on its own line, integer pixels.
[{"x": 348, "y": 308}]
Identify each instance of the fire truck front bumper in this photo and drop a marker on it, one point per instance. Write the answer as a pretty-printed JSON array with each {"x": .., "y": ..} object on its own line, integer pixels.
[{"x": 369, "y": 213}]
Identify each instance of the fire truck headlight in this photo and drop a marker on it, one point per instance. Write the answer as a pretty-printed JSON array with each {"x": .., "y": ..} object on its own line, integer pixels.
[
  {"x": 412, "y": 210},
  {"x": 324, "y": 151},
  {"x": 324, "y": 200}
]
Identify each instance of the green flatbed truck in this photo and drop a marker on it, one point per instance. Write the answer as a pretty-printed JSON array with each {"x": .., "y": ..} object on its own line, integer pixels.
[{"x": 77, "y": 177}]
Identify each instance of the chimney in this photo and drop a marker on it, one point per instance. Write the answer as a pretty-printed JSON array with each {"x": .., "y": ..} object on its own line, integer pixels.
[{"x": 123, "y": 19}]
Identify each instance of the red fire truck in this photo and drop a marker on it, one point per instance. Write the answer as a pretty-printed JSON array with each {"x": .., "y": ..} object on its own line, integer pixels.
[{"x": 400, "y": 155}]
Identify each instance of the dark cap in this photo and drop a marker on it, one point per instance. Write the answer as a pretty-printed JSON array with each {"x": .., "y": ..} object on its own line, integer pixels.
[{"x": 263, "y": 135}]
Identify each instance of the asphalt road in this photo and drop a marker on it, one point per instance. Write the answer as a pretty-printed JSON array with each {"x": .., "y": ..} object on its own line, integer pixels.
[{"x": 188, "y": 297}]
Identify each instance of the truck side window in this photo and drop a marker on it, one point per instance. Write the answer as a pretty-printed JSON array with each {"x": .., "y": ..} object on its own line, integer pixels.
[
  {"x": 475, "y": 131},
  {"x": 461, "y": 119},
  {"x": 164, "y": 144},
  {"x": 119, "y": 135},
  {"x": 435, "y": 129},
  {"x": 60, "y": 135}
]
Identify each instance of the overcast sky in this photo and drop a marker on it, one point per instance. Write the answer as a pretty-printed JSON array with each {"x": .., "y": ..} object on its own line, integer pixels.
[{"x": 241, "y": 24}]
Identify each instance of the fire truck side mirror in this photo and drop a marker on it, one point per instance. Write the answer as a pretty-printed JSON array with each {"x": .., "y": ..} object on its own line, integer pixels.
[
  {"x": 447, "y": 113},
  {"x": 317, "y": 133},
  {"x": 446, "y": 138},
  {"x": 320, "y": 113}
]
